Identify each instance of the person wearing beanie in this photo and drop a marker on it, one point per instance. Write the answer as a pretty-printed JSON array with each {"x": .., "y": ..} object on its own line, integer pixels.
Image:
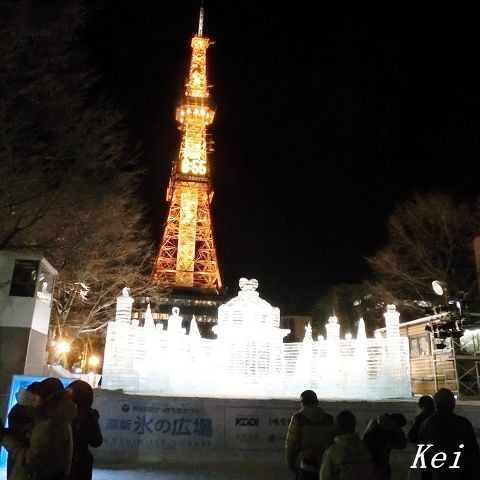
[
  {"x": 382, "y": 435},
  {"x": 86, "y": 430},
  {"x": 446, "y": 432},
  {"x": 46, "y": 453},
  {"x": 309, "y": 434}
]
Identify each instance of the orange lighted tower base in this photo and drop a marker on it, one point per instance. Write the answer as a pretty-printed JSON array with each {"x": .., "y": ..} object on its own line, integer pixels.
[{"x": 187, "y": 257}]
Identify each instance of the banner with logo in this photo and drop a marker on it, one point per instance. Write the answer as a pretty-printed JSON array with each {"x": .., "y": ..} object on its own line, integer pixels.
[{"x": 148, "y": 428}]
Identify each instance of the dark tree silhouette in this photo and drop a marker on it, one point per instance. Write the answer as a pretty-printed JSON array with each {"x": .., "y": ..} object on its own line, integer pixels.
[
  {"x": 430, "y": 238},
  {"x": 68, "y": 178}
]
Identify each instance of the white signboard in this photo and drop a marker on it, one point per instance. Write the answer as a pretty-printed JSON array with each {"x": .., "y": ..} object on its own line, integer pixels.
[
  {"x": 149, "y": 429},
  {"x": 258, "y": 427}
]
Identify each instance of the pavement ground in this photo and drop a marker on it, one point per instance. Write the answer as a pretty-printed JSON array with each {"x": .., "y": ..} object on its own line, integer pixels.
[{"x": 202, "y": 472}]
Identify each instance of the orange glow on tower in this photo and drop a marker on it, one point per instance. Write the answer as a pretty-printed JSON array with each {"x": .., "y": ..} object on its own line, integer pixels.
[{"x": 187, "y": 255}]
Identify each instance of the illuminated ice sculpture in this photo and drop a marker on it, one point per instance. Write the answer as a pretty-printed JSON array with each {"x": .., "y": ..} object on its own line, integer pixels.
[{"x": 248, "y": 359}]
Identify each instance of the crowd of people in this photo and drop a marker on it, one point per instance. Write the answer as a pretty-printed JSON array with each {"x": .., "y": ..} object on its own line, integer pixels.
[
  {"x": 321, "y": 448},
  {"x": 50, "y": 432},
  {"x": 51, "y": 429}
]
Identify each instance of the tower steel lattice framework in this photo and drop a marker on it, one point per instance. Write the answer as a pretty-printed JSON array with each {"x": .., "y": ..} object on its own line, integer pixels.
[{"x": 187, "y": 255}]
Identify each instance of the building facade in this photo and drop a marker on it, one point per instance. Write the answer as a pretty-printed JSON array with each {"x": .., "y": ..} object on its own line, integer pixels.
[
  {"x": 26, "y": 287},
  {"x": 443, "y": 357}
]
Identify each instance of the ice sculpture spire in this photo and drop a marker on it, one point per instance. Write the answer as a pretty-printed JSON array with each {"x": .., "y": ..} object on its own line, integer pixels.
[
  {"x": 194, "y": 331},
  {"x": 123, "y": 312},
  {"x": 333, "y": 329},
  {"x": 149, "y": 323},
  {"x": 308, "y": 333},
  {"x": 361, "y": 333},
  {"x": 174, "y": 321}
]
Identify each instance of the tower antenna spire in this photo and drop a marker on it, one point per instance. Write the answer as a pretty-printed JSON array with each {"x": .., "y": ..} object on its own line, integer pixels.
[{"x": 200, "y": 21}]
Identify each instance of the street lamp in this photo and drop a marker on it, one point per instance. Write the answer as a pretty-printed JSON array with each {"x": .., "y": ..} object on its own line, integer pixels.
[
  {"x": 94, "y": 361},
  {"x": 452, "y": 324},
  {"x": 440, "y": 288},
  {"x": 63, "y": 347}
]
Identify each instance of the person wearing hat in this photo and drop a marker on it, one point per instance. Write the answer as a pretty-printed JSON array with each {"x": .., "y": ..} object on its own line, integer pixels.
[
  {"x": 309, "y": 434},
  {"x": 451, "y": 435},
  {"x": 46, "y": 452}
]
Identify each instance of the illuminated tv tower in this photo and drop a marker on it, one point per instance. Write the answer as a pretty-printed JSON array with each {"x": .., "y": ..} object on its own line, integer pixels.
[{"x": 187, "y": 257}]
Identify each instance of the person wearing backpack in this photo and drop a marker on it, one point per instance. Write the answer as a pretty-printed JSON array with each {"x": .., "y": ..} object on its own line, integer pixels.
[{"x": 309, "y": 434}]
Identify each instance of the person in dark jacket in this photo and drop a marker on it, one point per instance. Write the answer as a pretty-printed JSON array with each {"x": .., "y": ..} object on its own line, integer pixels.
[
  {"x": 309, "y": 434},
  {"x": 86, "y": 430},
  {"x": 446, "y": 431},
  {"x": 427, "y": 407},
  {"x": 382, "y": 435},
  {"x": 348, "y": 458}
]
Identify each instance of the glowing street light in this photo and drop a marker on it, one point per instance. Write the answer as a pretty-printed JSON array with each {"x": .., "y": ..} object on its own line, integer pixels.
[
  {"x": 94, "y": 361},
  {"x": 63, "y": 347}
]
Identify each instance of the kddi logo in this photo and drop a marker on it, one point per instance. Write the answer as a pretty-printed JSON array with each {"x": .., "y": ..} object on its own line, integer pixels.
[{"x": 247, "y": 421}]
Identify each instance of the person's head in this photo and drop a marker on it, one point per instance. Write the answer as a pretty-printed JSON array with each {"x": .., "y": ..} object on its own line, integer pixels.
[
  {"x": 33, "y": 389},
  {"x": 399, "y": 419},
  {"x": 426, "y": 403},
  {"x": 47, "y": 388},
  {"x": 309, "y": 397},
  {"x": 82, "y": 393},
  {"x": 345, "y": 422},
  {"x": 28, "y": 397},
  {"x": 444, "y": 400}
]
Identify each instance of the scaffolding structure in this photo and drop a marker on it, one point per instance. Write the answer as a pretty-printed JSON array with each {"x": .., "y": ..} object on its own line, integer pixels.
[{"x": 456, "y": 365}]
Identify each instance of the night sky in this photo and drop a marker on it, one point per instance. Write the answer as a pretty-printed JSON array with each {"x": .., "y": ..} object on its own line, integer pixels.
[{"x": 325, "y": 120}]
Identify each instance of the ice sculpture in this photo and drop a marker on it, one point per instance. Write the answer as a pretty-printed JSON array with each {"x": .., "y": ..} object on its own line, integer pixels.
[
  {"x": 249, "y": 358},
  {"x": 123, "y": 312}
]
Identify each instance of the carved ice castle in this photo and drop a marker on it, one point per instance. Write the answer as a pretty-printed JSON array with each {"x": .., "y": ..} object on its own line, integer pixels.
[{"x": 248, "y": 359}]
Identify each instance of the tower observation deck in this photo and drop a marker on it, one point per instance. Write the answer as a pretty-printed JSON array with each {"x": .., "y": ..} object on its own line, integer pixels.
[{"x": 186, "y": 257}]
